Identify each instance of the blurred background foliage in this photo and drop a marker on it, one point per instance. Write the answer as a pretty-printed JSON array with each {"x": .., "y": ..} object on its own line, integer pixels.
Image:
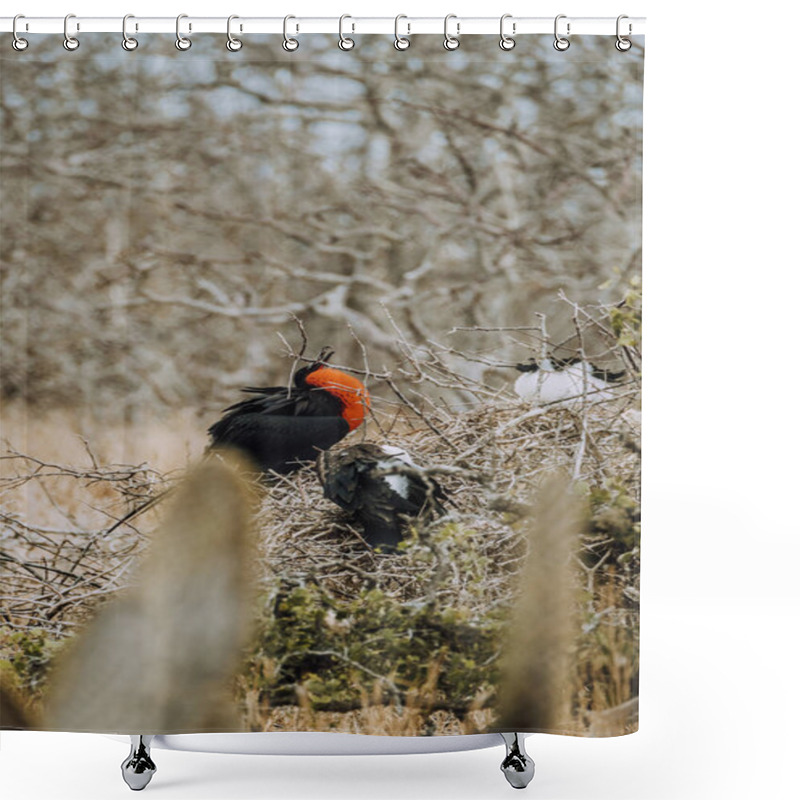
[{"x": 165, "y": 213}]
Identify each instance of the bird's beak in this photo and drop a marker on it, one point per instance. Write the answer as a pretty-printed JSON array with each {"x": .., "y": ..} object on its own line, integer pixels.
[{"x": 325, "y": 354}]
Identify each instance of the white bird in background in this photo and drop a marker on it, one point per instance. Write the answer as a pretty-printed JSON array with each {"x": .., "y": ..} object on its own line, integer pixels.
[{"x": 552, "y": 380}]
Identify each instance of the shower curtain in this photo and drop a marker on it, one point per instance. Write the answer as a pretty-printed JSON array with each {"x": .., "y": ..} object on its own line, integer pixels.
[{"x": 428, "y": 261}]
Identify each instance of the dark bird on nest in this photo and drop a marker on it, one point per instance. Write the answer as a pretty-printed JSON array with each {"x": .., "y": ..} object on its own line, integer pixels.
[
  {"x": 383, "y": 489},
  {"x": 554, "y": 379},
  {"x": 283, "y": 427}
]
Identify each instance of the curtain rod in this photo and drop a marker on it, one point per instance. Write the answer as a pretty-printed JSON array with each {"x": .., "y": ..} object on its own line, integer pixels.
[{"x": 409, "y": 26}]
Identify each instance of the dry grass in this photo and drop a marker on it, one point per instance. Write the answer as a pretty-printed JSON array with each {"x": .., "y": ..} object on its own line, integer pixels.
[{"x": 61, "y": 488}]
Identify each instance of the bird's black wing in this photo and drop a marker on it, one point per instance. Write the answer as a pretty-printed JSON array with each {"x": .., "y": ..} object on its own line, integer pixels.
[
  {"x": 425, "y": 495},
  {"x": 271, "y": 400},
  {"x": 359, "y": 480},
  {"x": 607, "y": 375},
  {"x": 278, "y": 442},
  {"x": 352, "y": 483},
  {"x": 341, "y": 476},
  {"x": 601, "y": 373},
  {"x": 277, "y": 400}
]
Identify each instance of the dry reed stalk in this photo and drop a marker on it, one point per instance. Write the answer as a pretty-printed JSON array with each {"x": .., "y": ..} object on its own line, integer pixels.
[
  {"x": 175, "y": 636},
  {"x": 542, "y": 625}
]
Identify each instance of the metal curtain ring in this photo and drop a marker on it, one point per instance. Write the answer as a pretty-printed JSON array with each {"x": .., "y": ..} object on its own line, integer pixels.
[
  {"x": 401, "y": 42},
  {"x": 289, "y": 44},
  {"x": 345, "y": 42},
  {"x": 18, "y": 43},
  {"x": 128, "y": 42},
  {"x": 623, "y": 44},
  {"x": 451, "y": 42},
  {"x": 507, "y": 42},
  {"x": 181, "y": 41},
  {"x": 70, "y": 42},
  {"x": 561, "y": 43},
  {"x": 233, "y": 44}
]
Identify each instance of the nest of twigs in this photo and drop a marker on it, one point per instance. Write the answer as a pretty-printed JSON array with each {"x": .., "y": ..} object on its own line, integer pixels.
[
  {"x": 490, "y": 462},
  {"x": 57, "y": 559}
]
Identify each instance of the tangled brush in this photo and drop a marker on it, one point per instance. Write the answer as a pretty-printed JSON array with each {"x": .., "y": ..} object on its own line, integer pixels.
[{"x": 445, "y": 601}]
